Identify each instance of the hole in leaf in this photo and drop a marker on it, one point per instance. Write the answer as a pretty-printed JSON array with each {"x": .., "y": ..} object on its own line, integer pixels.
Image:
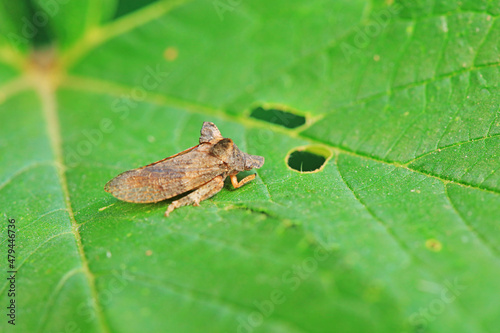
[
  {"x": 278, "y": 117},
  {"x": 308, "y": 159}
]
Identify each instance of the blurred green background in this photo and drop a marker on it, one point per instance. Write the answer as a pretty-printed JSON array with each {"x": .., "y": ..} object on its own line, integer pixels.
[{"x": 378, "y": 206}]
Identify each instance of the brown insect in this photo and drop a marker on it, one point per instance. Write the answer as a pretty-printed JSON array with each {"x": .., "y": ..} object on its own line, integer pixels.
[{"x": 202, "y": 168}]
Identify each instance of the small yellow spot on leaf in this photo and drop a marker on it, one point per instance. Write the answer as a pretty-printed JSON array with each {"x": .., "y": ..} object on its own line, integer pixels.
[
  {"x": 171, "y": 53},
  {"x": 149, "y": 252},
  {"x": 433, "y": 245}
]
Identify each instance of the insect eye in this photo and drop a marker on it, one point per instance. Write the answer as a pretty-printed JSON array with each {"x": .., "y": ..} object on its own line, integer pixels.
[
  {"x": 222, "y": 148},
  {"x": 224, "y": 143},
  {"x": 253, "y": 162}
]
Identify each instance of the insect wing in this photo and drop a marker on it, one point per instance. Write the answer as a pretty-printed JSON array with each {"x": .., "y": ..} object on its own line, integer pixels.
[{"x": 167, "y": 178}]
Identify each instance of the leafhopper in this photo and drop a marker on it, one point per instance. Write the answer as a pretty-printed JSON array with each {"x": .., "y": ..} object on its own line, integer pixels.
[{"x": 201, "y": 169}]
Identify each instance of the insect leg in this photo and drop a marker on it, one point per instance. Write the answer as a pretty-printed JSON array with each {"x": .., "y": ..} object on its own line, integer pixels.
[
  {"x": 242, "y": 182},
  {"x": 204, "y": 192}
]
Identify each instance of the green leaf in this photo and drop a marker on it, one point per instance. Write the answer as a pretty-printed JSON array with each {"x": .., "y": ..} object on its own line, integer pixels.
[
  {"x": 15, "y": 27},
  {"x": 398, "y": 231},
  {"x": 73, "y": 21}
]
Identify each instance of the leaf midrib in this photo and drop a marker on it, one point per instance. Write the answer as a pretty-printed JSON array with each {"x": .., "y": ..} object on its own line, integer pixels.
[{"x": 45, "y": 87}]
